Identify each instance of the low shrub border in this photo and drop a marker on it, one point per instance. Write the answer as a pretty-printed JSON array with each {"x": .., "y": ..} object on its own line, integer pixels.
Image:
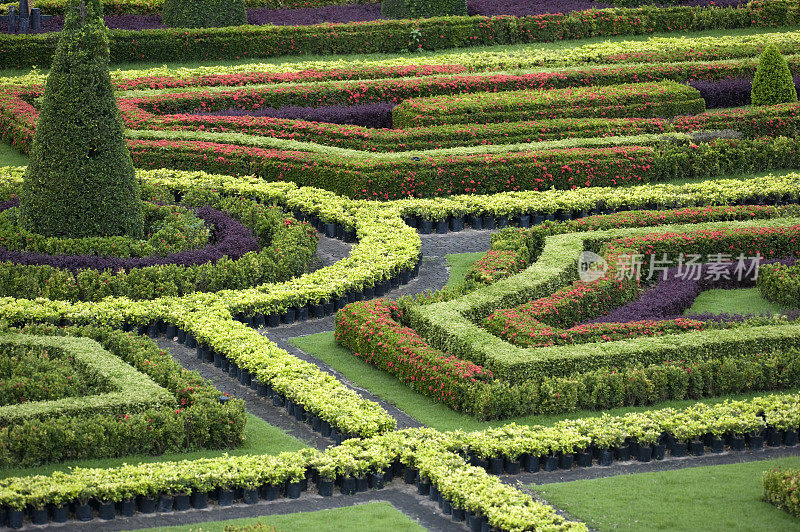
[
  {"x": 130, "y": 390},
  {"x": 780, "y": 489},
  {"x": 139, "y": 417},
  {"x": 401, "y": 35},
  {"x": 433, "y": 460},
  {"x": 780, "y": 283}
]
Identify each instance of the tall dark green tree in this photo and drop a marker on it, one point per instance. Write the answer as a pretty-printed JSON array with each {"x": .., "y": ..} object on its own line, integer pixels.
[{"x": 80, "y": 180}]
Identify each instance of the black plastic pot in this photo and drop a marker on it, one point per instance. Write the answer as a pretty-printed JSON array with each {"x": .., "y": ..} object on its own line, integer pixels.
[
  {"x": 678, "y": 449},
  {"x": 425, "y": 226},
  {"x": 369, "y": 293},
  {"x": 325, "y": 487},
  {"x": 348, "y": 485},
  {"x": 423, "y": 486},
  {"x": 775, "y": 438},
  {"x": 152, "y": 329},
  {"x": 38, "y": 516},
  {"x": 697, "y": 448},
  {"x": 459, "y": 514},
  {"x": 191, "y": 341},
  {"x": 250, "y": 496},
  {"x": 330, "y": 230},
  {"x": 457, "y": 223},
  {"x": 171, "y": 331},
  {"x": 645, "y": 453},
  {"x": 717, "y": 445},
  {"x": 273, "y": 320},
  {"x": 530, "y": 463},
  {"x": 565, "y": 460},
  {"x": 496, "y": 466},
  {"x": 790, "y": 438},
  {"x": 755, "y": 441},
  {"x": 165, "y": 503},
  {"x": 410, "y": 475},
  {"x": 476, "y": 222},
  {"x": 512, "y": 467},
  {"x": 538, "y": 219},
  {"x": 225, "y": 497},
  {"x": 362, "y": 484},
  {"x": 106, "y": 510},
  {"x": 293, "y": 490},
  {"x": 15, "y": 518},
  {"x": 488, "y": 221},
  {"x": 737, "y": 443},
  {"x": 447, "y": 509},
  {"x": 524, "y": 220},
  {"x": 549, "y": 463},
  {"x": 60, "y": 513},
  {"x": 302, "y": 313},
  {"x": 410, "y": 221},
  {"x": 83, "y": 512},
  {"x": 584, "y": 459},
  {"x": 341, "y": 302},
  {"x": 324, "y": 428},
  {"x": 502, "y": 221},
  {"x": 198, "y": 500},
  {"x": 288, "y": 316},
  {"x": 376, "y": 481},
  {"x": 622, "y": 453},
  {"x": 181, "y": 336},
  {"x": 442, "y": 227},
  {"x": 147, "y": 505},
  {"x": 606, "y": 457},
  {"x": 270, "y": 492},
  {"x": 659, "y": 450}
]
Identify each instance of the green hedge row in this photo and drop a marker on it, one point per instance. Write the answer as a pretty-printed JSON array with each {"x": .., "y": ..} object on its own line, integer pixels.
[
  {"x": 189, "y": 417},
  {"x": 780, "y": 284},
  {"x": 288, "y": 247},
  {"x": 404, "y": 35},
  {"x": 781, "y": 487},
  {"x": 639, "y": 100}
]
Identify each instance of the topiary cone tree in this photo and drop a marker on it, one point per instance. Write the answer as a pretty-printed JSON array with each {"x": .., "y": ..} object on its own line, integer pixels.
[
  {"x": 773, "y": 82},
  {"x": 80, "y": 181}
]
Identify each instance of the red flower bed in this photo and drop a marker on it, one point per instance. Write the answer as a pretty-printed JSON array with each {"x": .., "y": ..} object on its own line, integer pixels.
[{"x": 371, "y": 332}]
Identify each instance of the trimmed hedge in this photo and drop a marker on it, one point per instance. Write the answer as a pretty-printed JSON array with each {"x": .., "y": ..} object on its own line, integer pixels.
[
  {"x": 400, "y": 36},
  {"x": 640, "y": 100},
  {"x": 780, "y": 284},
  {"x": 186, "y": 416},
  {"x": 781, "y": 487},
  {"x": 203, "y": 13},
  {"x": 423, "y": 8}
]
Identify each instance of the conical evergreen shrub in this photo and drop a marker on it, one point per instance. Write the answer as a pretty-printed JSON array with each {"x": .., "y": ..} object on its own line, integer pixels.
[
  {"x": 80, "y": 180},
  {"x": 773, "y": 82},
  {"x": 203, "y": 13}
]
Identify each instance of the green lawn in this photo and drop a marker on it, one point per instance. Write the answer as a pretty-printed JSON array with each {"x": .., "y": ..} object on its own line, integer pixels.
[
  {"x": 459, "y": 264},
  {"x": 260, "y": 438},
  {"x": 428, "y": 411},
  {"x": 10, "y": 156},
  {"x": 736, "y": 301},
  {"x": 724, "y": 497},
  {"x": 358, "y": 518}
]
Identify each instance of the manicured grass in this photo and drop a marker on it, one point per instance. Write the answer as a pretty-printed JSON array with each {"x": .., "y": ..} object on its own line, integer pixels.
[
  {"x": 426, "y": 410},
  {"x": 727, "y": 497},
  {"x": 736, "y": 301},
  {"x": 10, "y": 156},
  {"x": 459, "y": 264},
  {"x": 361, "y": 517},
  {"x": 260, "y": 438}
]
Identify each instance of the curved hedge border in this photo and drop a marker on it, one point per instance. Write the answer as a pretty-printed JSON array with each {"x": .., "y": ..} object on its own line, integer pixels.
[
  {"x": 433, "y": 460},
  {"x": 402, "y": 35}
]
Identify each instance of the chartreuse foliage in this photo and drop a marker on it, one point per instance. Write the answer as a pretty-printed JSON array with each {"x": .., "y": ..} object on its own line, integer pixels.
[
  {"x": 80, "y": 181},
  {"x": 203, "y": 13},
  {"x": 772, "y": 83}
]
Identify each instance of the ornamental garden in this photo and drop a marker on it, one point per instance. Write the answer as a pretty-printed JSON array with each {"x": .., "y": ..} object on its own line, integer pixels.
[{"x": 433, "y": 264}]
